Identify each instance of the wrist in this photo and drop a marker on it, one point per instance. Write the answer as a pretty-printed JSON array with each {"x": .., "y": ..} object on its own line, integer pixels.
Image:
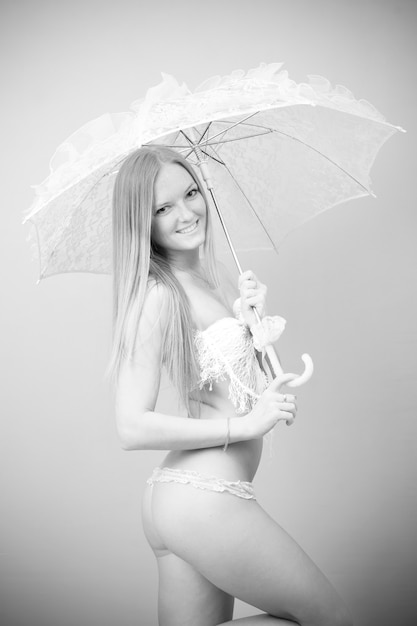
[{"x": 240, "y": 429}]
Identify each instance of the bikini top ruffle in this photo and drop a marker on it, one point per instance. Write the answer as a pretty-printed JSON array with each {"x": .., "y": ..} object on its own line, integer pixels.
[{"x": 227, "y": 350}]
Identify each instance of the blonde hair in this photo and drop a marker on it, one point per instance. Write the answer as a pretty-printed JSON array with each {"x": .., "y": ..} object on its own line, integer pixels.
[{"x": 138, "y": 263}]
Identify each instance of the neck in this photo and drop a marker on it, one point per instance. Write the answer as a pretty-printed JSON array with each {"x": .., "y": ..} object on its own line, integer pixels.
[{"x": 186, "y": 261}]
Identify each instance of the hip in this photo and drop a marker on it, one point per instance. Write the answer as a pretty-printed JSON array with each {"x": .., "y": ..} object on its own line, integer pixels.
[{"x": 239, "y": 462}]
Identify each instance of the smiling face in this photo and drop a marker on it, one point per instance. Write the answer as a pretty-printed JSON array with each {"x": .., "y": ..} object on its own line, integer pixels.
[{"x": 179, "y": 211}]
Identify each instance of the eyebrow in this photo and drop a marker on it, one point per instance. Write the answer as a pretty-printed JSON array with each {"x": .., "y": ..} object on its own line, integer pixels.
[{"x": 186, "y": 190}]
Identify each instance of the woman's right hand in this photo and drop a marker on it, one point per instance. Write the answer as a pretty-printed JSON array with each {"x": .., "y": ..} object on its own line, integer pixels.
[{"x": 272, "y": 407}]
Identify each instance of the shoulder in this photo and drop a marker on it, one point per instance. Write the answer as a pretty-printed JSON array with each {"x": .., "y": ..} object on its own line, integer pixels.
[
  {"x": 147, "y": 323},
  {"x": 156, "y": 295},
  {"x": 156, "y": 305}
]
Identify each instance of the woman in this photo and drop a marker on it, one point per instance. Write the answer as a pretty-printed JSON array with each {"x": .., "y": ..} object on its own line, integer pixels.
[{"x": 211, "y": 538}]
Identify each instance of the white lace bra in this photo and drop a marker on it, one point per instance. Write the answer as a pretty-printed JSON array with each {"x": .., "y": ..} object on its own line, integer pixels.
[{"x": 226, "y": 350}]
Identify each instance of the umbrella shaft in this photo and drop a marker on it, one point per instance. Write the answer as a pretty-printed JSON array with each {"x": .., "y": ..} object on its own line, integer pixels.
[
  {"x": 272, "y": 358},
  {"x": 226, "y": 232}
]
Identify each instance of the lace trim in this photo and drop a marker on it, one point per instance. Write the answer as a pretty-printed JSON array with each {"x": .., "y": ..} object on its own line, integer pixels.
[
  {"x": 267, "y": 331},
  {"x": 226, "y": 350},
  {"x": 169, "y": 106},
  {"x": 71, "y": 213},
  {"x": 239, "y": 488}
]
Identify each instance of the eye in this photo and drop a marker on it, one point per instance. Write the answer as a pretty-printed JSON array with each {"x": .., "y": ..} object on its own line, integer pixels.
[
  {"x": 162, "y": 210},
  {"x": 193, "y": 192}
]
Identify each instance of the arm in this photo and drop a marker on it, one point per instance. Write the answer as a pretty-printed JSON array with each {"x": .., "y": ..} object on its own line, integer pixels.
[{"x": 140, "y": 427}]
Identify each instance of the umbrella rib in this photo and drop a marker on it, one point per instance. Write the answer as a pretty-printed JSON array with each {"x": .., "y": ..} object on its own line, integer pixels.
[
  {"x": 267, "y": 130},
  {"x": 222, "y": 141},
  {"x": 202, "y": 135},
  {"x": 70, "y": 217},
  {"x": 199, "y": 144},
  {"x": 251, "y": 206},
  {"x": 280, "y": 132},
  {"x": 192, "y": 143},
  {"x": 238, "y": 123}
]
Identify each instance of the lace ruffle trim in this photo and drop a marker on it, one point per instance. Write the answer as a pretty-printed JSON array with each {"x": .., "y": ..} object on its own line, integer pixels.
[
  {"x": 226, "y": 350},
  {"x": 239, "y": 488},
  {"x": 267, "y": 331},
  {"x": 108, "y": 139}
]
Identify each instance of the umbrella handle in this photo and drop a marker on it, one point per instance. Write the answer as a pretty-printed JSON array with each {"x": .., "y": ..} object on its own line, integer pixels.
[
  {"x": 275, "y": 365},
  {"x": 298, "y": 379},
  {"x": 276, "y": 369}
]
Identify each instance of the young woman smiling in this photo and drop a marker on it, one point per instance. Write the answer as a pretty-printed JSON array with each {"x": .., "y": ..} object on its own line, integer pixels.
[{"x": 212, "y": 540}]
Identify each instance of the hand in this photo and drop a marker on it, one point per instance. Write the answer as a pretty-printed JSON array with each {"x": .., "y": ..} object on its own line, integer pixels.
[
  {"x": 252, "y": 296},
  {"x": 272, "y": 407}
]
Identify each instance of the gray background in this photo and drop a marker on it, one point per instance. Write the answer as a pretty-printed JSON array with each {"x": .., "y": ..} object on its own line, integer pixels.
[{"x": 342, "y": 480}]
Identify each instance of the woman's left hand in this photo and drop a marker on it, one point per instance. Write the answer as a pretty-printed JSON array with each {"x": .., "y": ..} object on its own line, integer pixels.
[{"x": 252, "y": 296}]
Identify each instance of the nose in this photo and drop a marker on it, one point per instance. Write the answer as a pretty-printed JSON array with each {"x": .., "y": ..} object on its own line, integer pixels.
[{"x": 184, "y": 212}]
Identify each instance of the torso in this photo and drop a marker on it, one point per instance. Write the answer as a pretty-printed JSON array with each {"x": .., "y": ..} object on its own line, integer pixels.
[{"x": 242, "y": 458}]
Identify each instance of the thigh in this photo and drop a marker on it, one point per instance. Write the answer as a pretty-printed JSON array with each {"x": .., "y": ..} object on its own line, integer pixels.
[
  {"x": 240, "y": 549},
  {"x": 187, "y": 598}
]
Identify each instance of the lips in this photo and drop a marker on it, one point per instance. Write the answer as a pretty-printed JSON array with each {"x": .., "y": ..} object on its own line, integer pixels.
[{"x": 189, "y": 229}]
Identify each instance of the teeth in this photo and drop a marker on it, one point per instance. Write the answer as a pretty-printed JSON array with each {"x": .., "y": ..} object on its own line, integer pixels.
[{"x": 184, "y": 231}]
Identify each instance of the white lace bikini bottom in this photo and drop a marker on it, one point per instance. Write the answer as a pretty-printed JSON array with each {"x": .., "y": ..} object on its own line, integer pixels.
[{"x": 239, "y": 488}]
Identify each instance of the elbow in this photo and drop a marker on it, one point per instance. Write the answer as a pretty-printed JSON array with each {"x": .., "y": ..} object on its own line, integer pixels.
[
  {"x": 131, "y": 441},
  {"x": 126, "y": 443},
  {"x": 130, "y": 436}
]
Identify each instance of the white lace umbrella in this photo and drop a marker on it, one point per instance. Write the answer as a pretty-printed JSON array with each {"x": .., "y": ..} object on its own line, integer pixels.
[{"x": 277, "y": 152}]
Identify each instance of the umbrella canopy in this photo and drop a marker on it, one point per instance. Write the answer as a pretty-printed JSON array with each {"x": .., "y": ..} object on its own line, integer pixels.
[{"x": 279, "y": 153}]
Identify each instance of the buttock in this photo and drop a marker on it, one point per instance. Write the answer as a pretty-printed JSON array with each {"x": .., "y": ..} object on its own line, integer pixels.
[
  {"x": 238, "y": 488},
  {"x": 175, "y": 503}
]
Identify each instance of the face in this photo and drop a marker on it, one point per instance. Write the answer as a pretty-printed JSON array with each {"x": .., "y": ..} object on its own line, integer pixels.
[{"x": 179, "y": 211}]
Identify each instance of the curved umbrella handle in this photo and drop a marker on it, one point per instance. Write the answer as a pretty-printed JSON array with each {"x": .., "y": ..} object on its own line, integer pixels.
[{"x": 299, "y": 379}]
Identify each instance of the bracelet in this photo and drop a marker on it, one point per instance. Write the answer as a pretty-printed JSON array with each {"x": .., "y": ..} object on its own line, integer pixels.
[{"x": 226, "y": 443}]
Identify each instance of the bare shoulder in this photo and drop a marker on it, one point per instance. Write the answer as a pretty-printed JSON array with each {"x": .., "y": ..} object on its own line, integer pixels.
[
  {"x": 140, "y": 373},
  {"x": 155, "y": 308},
  {"x": 156, "y": 301}
]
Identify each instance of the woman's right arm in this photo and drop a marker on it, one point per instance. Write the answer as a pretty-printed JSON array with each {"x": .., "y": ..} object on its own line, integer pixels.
[{"x": 140, "y": 427}]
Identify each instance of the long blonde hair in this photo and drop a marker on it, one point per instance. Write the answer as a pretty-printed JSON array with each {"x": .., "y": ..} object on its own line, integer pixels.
[{"x": 138, "y": 262}]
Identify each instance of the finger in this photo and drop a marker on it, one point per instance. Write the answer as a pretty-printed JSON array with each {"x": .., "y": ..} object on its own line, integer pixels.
[
  {"x": 287, "y": 406},
  {"x": 248, "y": 285},
  {"x": 249, "y": 292},
  {"x": 254, "y": 300},
  {"x": 285, "y": 416},
  {"x": 281, "y": 380},
  {"x": 248, "y": 275},
  {"x": 287, "y": 397}
]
